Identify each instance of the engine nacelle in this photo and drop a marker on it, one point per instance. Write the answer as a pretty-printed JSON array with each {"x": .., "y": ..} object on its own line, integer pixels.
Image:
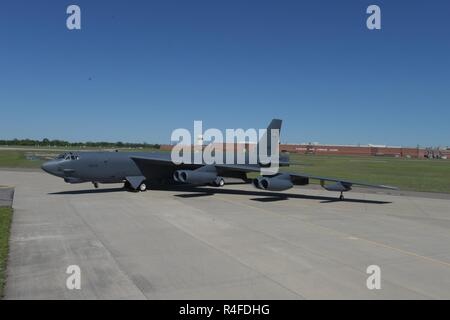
[
  {"x": 338, "y": 186},
  {"x": 195, "y": 177},
  {"x": 277, "y": 183}
]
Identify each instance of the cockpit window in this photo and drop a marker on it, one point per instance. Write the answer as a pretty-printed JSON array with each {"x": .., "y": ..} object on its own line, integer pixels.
[{"x": 67, "y": 156}]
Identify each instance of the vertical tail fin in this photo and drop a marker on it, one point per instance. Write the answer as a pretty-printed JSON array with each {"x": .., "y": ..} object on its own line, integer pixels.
[{"x": 275, "y": 124}]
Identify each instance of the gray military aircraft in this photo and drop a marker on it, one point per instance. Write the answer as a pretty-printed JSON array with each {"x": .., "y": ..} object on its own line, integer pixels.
[{"x": 138, "y": 170}]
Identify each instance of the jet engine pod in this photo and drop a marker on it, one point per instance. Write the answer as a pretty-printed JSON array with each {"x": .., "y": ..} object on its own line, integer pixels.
[
  {"x": 277, "y": 183},
  {"x": 257, "y": 182},
  {"x": 195, "y": 177},
  {"x": 338, "y": 186}
]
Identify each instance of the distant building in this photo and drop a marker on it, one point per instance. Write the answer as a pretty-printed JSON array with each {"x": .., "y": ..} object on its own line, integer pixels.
[
  {"x": 343, "y": 150},
  {"x": 352, "y": 150}
]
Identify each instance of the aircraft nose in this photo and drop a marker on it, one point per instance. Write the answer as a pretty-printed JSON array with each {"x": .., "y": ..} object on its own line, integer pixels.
[
  {"x": 45, "y": 166},
  {"x": 48, "y": 167}
]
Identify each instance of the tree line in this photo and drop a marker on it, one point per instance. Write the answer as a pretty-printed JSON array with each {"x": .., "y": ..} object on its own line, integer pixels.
[{"x": 61, "y": 143}]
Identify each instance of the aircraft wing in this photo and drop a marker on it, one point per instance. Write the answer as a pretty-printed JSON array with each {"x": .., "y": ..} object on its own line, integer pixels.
[
  {"x": 347, "y": 183},
  {"x": 239, "y": 168},
  {"x": 155, "y": 165},
  {"x": 340, "y": 184},
  {"x": 301, "y": 176},
  {"x": 152, "y": 160},
  {"x": 157, "y": 161}
]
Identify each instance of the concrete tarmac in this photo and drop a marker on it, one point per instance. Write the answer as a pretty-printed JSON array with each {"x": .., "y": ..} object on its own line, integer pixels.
[{"x": 222, "y": 243}]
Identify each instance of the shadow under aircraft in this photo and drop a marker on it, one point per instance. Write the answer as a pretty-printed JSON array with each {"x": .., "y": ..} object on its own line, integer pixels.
[{"x": 191, "y": 192}]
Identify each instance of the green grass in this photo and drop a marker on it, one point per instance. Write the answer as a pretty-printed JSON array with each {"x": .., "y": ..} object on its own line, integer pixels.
[
  {"x": 17, "y": 159},
  {"x": 5, "y": 223},
  {"x": 407, "y": 174}
]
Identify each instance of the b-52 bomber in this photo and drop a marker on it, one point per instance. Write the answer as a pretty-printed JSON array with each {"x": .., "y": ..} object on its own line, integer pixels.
[{"x": 141, "y": 170}]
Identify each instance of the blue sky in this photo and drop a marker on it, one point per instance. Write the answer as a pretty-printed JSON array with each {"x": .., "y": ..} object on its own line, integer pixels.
[{"x": 139, "y": 69}]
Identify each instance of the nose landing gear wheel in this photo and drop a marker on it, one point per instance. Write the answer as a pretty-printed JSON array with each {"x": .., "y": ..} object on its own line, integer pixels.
[{"x": 341, "y": 197}]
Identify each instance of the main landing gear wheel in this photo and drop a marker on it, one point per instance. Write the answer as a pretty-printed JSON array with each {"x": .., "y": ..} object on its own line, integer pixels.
[
  {"x": 95, "y": 185},
  {"x": 142, "y": 187},
  {"x": 220, "y": 182},
  {"x": 341, "y": 197}
]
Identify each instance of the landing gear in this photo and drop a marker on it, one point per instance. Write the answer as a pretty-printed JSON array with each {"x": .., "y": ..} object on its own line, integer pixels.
[
  {"x": 341, "y": 197},
  {"x": 219, "y": 182},
  {"x": 142, "y": 187},
  {"x": 129, "y": 186},
  {"x": 95, "y": 185}
]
